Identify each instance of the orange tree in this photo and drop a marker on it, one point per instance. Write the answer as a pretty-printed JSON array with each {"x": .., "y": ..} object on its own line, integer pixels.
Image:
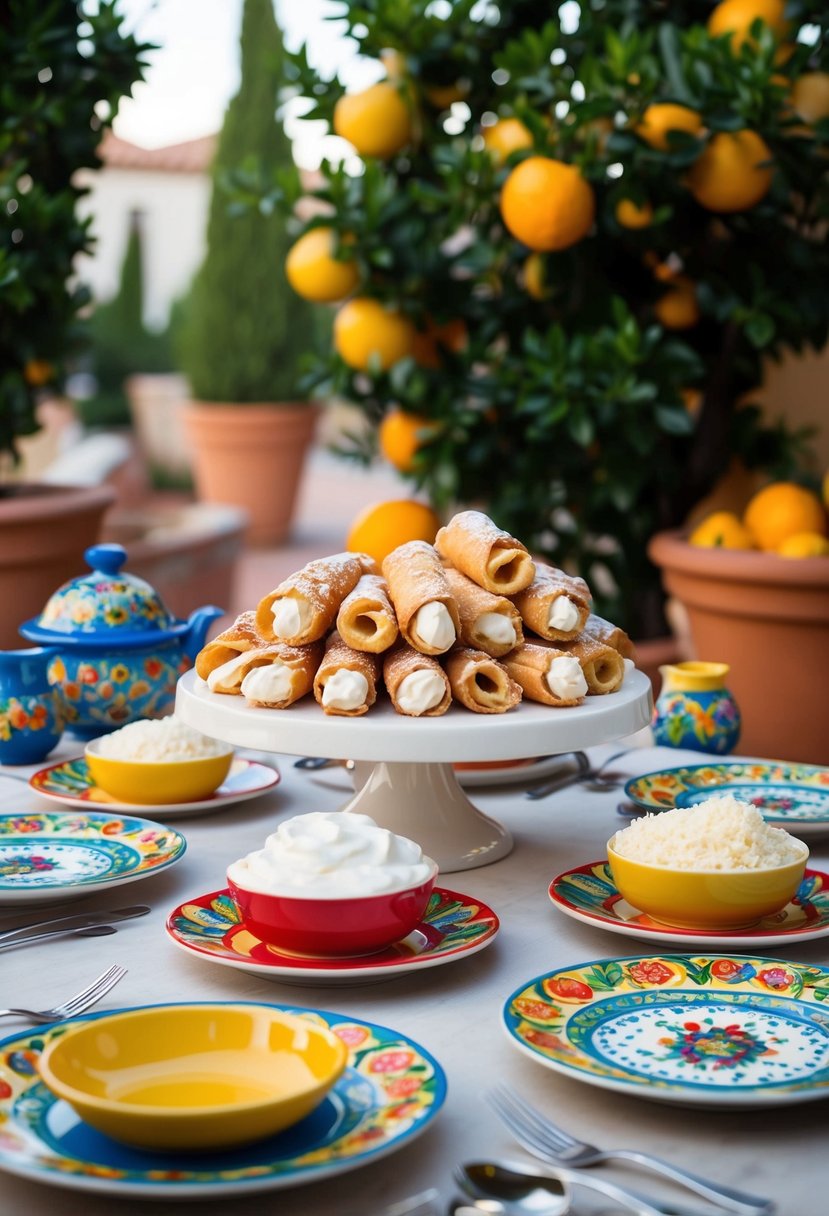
[{"x": 570, "y": 246}]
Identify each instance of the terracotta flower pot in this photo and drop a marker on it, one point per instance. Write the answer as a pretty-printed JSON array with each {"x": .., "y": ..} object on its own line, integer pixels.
[
  {"x": 44, "y": 530},
  {"x": 251, "y": 456},
  {"x": 768, "y": 618}
]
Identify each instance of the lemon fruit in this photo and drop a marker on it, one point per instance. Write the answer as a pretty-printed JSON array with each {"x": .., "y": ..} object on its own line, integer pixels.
[
  {"x": 804, "y": 544},
  {"x": 663, "y": 117},
  {"x": 810, "y": 96},
  {"x": 721, "y": 530},
  {"x": 732, "y": 173},
  {"x": 315, "y": 273},
  {"x": 377, "y": 121},
  {"x": 781, "y": 510},
  {"x": 383, "y": 526},
  {"x": 534, "y": 277},
  {"x": 401, "y": 435},
  {"x": 365, "y": 332},
  {"x": 508, "y": 135},
  {"x": 547, "y": 204}
]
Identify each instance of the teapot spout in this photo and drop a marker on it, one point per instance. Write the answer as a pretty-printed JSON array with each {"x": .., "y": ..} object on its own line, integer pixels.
[{"x": 198, "y": 624}]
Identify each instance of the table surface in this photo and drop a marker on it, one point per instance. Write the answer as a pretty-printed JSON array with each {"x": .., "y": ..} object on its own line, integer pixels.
[{"x": 453, "y": 1010}]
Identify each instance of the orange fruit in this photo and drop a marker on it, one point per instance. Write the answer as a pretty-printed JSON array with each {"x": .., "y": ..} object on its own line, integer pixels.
[
  {"x": 452, "y": 335},
  {"x": 810, "y": 96},
  {"x": 376, "y": 121},
  {"x": 394, "y": 62},
  {"x": 804, "y": 544},
  {"x": 38, "y": 372},
  {"x": 731, "y": 174},
  {"x": 506, "y": 136},
  {"x": 365, "y": 331},
  {"x": 721, "y": 530},
  {"x": 383, "y": 526},
  {"x": 547, "y": 204},
  {"x": 692, "y": 400},
  {"x": 781, "y": 510},
  {"x": 314, "y": 272},
  {"x": 534, "y": 276},
  {"x": 663, "y": 117},
  {"x": 442, "y": 96},
  {"x": 633, "y": 215},
  {"x": 401, "y": 435},
  {"x": 678, "y": 307},
  {"x": 736, "y": 17}
]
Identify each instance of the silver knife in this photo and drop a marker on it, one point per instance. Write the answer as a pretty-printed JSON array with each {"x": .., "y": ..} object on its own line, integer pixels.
[
  {"x": 82, "y": 931},
  {"x": 81, "y": 920}
]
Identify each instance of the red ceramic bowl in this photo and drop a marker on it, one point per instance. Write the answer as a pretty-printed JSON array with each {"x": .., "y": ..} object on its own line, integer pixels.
[{"x": 333, "y": 927}]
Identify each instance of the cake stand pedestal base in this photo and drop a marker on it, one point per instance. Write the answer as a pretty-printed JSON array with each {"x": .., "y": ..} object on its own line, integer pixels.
[{"x": 449, "y": 828}]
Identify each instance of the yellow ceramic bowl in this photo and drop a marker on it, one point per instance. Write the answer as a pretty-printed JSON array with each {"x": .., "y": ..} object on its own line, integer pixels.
[
  {"x": 145, "y": 782},
  {"x": 705, "y": 899},
  {"x": 193, "y": 1076}
]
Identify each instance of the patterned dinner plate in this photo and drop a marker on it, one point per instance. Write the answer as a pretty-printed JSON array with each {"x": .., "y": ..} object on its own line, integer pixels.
[
  {"x": 715, "y": 1030},
  {"x": 57, "y": 855},
  {"x": 389, "y": 1093},
  {"x": 71, "y": 784},
  {"x": 794, "y": 796},
  {"x": 212, "y": 927},
  {"x": 588, "y": 893}
]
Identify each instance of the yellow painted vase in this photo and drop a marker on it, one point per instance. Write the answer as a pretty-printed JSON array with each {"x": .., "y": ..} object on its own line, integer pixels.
[{"x": 695, "y": 708}]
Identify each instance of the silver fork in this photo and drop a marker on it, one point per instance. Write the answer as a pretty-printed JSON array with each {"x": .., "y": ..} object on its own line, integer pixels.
[
  {"x": 545, "y": 1140},
  {"x": 593, "y": 778},
  {"x": 76, "y": 1004}
]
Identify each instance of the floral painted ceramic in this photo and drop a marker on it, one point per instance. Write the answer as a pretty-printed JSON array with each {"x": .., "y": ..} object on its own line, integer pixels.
[
  {"x": 212, "y": 927},
  {"x": 118, "y": 651},
  {"x": 695, "y": 709},
  {"x": 31, "y": 710},
  {"x": 58, "y": 855},
  {"x": 71, "y": 784},
  {"x": 713, "y": 1030},
  {"x": 589, "y": 894},
  {"x": 794, "y": 796},
  {"x": 389, "y": 1093}
]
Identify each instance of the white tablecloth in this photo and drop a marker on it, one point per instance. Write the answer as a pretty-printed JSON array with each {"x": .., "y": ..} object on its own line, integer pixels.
[{"x": 453, "y": 1010}]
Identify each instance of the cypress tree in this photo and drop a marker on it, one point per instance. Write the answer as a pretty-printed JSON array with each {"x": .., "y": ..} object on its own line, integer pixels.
[{"x": 245, "y": 328}]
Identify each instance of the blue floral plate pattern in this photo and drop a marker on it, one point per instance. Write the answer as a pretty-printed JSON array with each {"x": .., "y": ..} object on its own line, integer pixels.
[
  {"x": 55, "y": 855},
  {"x": 717, "y": 1030},
  {"x": 389, "y": 1093}
]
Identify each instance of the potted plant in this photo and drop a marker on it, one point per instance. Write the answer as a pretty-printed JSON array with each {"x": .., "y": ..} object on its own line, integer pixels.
[
  {"x": 576, "y": 239},
  {"x": 64, "y": 72},
  {"x": 243, "y": 329}
]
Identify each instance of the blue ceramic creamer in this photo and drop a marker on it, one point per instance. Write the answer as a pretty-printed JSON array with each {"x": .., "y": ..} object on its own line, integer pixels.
[
  {"x": 117, "y": 652},
  {"x": 31, "y": 709},
  {"x": 695, "y": 709}
]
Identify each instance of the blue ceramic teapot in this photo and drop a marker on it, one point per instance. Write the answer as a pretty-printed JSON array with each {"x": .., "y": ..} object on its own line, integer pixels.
[{"x": 118, "y": 652}]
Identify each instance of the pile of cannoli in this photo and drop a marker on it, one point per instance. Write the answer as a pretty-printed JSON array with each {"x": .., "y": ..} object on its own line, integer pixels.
[{"x": 471, "y": 619}]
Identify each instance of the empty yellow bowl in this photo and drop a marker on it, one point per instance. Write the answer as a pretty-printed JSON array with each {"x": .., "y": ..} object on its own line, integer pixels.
[
  {"x": 193, "y": 1076},
  {"x": 705, "y": 899},
  {"x": 145, "y": 782}
]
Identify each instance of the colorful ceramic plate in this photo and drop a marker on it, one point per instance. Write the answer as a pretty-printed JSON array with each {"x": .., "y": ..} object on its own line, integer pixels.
[
  {"x": 70, "y": 783},
  {"x": 589, "y": 894},
  {"x": 794, "y": 796},
  {"x": 715, "y": 1030},
  {"x": 211, "y": 926},
  {"x": 511, "y": 772},
  {"x": 388, "y": 1094},
  {"x": 55, "y": 855}
]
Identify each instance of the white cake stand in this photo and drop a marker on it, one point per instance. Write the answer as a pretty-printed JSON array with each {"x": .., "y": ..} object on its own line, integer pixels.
[{"x": 404, "y": 765}]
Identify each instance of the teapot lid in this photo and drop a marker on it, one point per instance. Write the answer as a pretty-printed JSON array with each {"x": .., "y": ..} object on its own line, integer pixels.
[{"x": 106, "y": 604}]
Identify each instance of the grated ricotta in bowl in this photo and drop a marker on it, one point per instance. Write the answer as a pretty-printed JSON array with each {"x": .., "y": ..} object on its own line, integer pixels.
[
  {"x": 159, "y": 740},
  {"x": 721, "y": 833}
]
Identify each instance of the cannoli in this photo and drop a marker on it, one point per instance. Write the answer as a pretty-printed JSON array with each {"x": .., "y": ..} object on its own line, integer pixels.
[
  {"x": 603, "y": 667},
  {"x": 479, "y": 682},
  {"x": 242, "y": 635},
  {"x": 492, "y": 558},
  {"x": 346, "y": 679},
  {"x": 276, "y": 675},
  {"x": 489, "y": 622},
  {"x": 304, "y": 606},
  {"x": 603, "y": 631},
  {"x": 426, "y": 610},
  {"x": 417, "y": 684},
  {"x": 366, "y": 620},
  {"x": 555, "y": 605},
  {"x": 547, "y": 674}
]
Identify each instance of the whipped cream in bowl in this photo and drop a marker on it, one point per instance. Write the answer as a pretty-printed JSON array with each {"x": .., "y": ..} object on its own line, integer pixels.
[{"x": 332, "y": 884}]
